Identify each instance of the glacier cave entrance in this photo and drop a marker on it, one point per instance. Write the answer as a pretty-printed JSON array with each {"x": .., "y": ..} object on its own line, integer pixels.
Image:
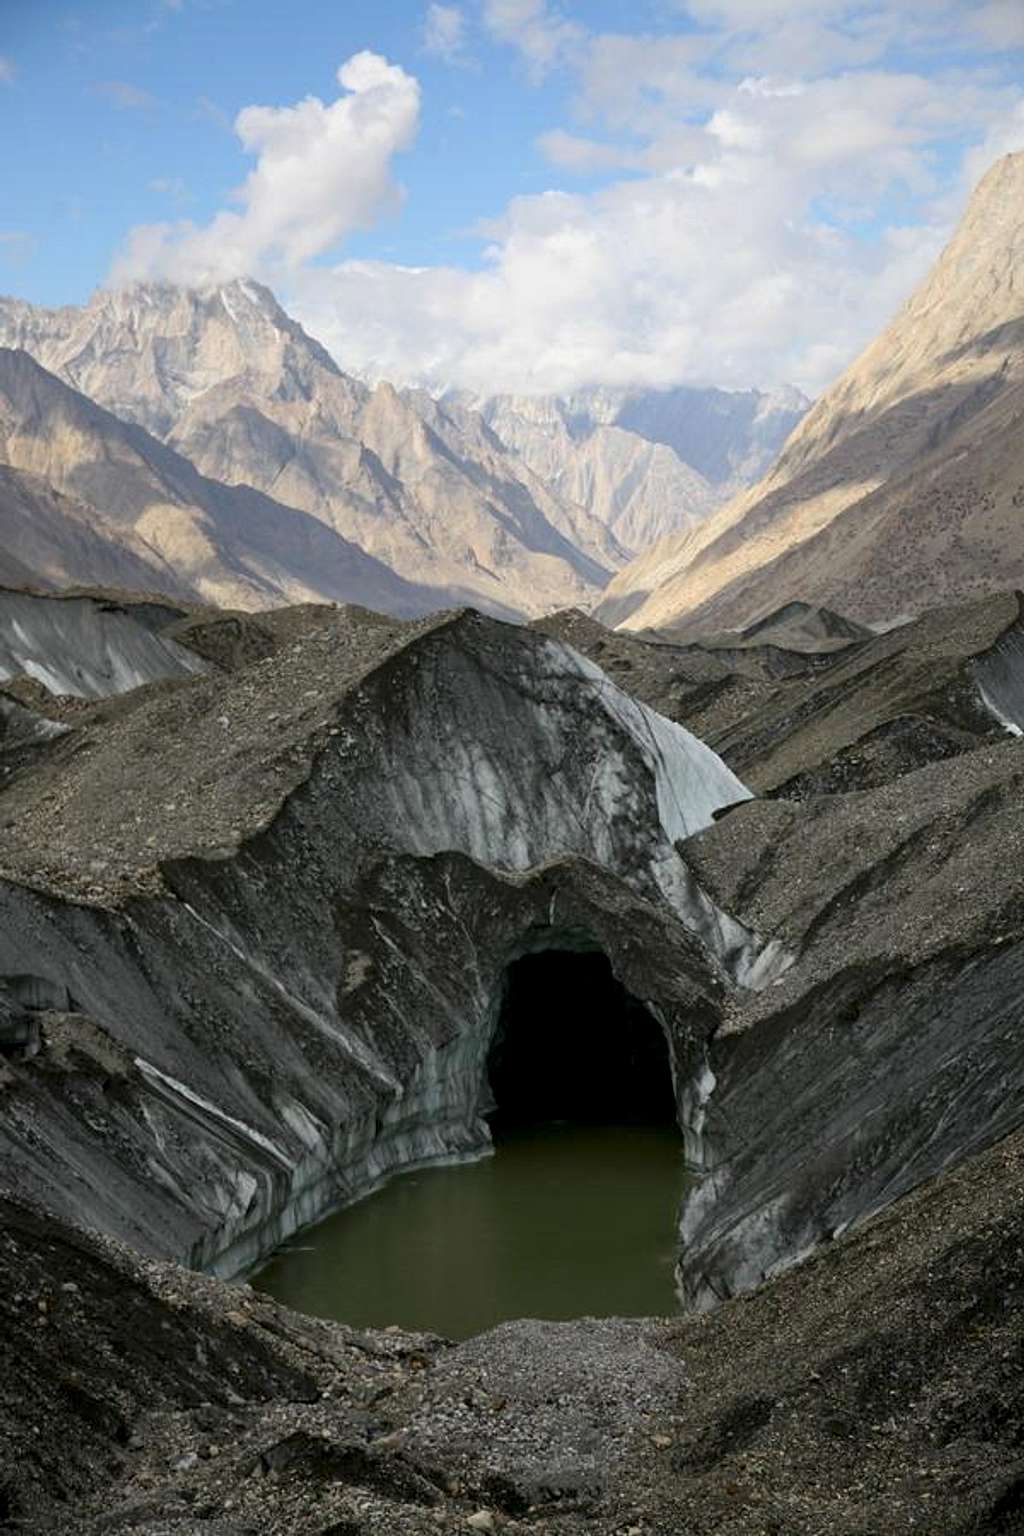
[
  {"x": 573, "y": 1044},
  {"x": 576, "y": 1213}
]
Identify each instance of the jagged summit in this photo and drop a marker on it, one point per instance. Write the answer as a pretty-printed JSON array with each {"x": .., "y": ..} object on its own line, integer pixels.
[
  {"x": 147, "y": 350},
  {"x": 896, "y": 491}
]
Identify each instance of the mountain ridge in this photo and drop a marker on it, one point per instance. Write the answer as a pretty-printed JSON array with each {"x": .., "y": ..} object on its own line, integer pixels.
[
  {"x": 224, "y": 377},
  {"x": 646, "y": 462},
  {"x": 518, "y": 504},
  {"x": 918, "y": 409},
  {"x": 226, "y": 544}
]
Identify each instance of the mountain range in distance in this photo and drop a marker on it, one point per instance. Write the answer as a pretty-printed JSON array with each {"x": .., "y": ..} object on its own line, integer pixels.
[{"x": 201, "y": 444}]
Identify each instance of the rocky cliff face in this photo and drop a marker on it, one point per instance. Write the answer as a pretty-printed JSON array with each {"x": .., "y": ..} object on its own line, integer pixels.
[
  {"x": 189, "y": 534},
  {"x": 640, "y": 490},
  {"x": 901, "y": 488},
  {"x": 645, "y": 463},
  {"x": 53, "y": 540}
]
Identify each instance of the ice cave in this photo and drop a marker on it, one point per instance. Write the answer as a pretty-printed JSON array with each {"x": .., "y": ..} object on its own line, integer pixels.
[{"x": 573, "y": 1044}]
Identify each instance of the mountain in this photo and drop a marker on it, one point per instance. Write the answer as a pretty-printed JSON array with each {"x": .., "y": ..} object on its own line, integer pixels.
[
  {"x": 645, "y": 463},
  {"x": 729, "y": 436},
  {"x": 903, "y": 486},
  {"x": 460, "y": 427},
  {"x": 638, "y": 489},
  {"x": 49, "y": 539},
  {"x": 86, "y": 492},
  {"x": 237, "y": 388},
  {"x": 518, "y": 505}
]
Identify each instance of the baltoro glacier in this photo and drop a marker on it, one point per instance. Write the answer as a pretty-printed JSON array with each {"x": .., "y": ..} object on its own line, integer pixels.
[{"x": 262, "y": 876}]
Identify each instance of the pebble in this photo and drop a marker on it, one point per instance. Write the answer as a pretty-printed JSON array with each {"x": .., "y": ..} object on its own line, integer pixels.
[{"x": 483, "y": 1520}]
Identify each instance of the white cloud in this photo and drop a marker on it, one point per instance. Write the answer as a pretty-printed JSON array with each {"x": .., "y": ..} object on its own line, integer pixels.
[
  {"x": 7, "y": 70},
  {"x": 444, "y": 32},
  {"x": 747, "y": 234},
  {"x": 822, "y": 35},
  {"x": 321, "y": 172},
  {"x": 731, "y": 262},
  {"x": 1000, "y": 23},
  {"x": 571, "y": 153},
  {"x": 125, "y": 96},
  {"x": 543, "y": 36},
  {"x": 640, "y": 85},
  {"x": 1005, "y": 136},
  {"x": 648, "y": 282}
]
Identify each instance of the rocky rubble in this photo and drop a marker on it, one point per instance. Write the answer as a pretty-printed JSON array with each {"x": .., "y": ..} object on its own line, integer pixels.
[
  {"x": 798, "y": 709},
  {"x": 877, "y": 1389}
]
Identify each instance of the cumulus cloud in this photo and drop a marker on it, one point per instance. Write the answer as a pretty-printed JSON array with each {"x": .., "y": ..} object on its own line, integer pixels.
[
  {"x": 321, "y": 172},
  {"x": 744, "y": 229},
  {"x": 743, "y": 261},
  {"x": 719, "y": 279},
  {"x": 444, "y": 32}
]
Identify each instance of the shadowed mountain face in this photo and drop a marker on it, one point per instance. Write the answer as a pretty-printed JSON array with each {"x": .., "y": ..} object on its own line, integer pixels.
[
  {"x": 176, "y": 530},
  {"x": 902, "y": 487},
  {"x": 237, "y": 389},
  {"x": 48, "y": 539}
]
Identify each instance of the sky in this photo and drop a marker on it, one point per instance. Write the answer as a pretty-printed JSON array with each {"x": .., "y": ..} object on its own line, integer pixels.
[{"x": 524, "y": 195}]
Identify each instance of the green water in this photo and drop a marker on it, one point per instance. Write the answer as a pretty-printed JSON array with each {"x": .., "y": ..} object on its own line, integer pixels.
[{"x": 563, "y": 1221}]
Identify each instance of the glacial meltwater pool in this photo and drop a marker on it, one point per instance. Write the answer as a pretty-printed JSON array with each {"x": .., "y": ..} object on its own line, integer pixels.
[{"x": 563, "y": 1221}]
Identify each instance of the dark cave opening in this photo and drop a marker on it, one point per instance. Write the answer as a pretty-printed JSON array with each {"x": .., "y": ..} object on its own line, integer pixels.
[{"x": 573, "y": 1044}]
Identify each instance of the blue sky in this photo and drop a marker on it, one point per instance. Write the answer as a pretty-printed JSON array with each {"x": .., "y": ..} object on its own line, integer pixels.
[
  {"x": 120, "y": 113},
  {"x": 511, "y": 193}
]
